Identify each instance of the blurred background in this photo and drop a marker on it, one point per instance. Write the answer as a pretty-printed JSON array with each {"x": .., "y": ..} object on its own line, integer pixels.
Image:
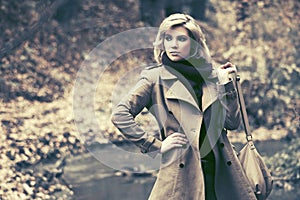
[{"x": 42, "y": 46}]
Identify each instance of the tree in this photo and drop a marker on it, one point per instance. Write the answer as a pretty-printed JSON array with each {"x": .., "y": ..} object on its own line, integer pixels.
[{"x": 153, "y": 11}]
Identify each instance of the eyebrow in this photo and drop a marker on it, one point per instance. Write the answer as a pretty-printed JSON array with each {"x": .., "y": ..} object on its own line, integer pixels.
[{"x": 182, "y": 35}]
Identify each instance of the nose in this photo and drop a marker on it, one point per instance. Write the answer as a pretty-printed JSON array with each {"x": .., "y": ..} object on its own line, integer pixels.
[{"x": 174, "y": 44}]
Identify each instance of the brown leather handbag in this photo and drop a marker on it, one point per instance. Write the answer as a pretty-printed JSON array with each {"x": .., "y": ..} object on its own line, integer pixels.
[{"x": 258, "y": 174}]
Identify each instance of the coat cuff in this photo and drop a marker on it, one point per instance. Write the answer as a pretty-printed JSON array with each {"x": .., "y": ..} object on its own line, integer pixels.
[
  {"x": 152, "y": 144},
  {"x": 227, "y": 90}
]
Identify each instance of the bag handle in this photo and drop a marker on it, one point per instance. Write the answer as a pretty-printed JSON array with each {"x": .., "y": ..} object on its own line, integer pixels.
[{"x": 236, "y": 80}]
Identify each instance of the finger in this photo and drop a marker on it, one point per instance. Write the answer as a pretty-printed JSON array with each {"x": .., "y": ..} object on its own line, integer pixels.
[
  {"x": 177, "y": 135},
  {"x": 232, "y": 71},
  {"x": 177, "y": 146},
  {"x": 185, "y": 140},
  {"x": 181, "y": 138},
  {"x": 230, "y": 68},
  {"x": 227, "y": 65},
  {"x": 181, "y": 142}
]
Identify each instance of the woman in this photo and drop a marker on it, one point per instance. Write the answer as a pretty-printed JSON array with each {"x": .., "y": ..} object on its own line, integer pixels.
[{"x": 193, "y": 104}]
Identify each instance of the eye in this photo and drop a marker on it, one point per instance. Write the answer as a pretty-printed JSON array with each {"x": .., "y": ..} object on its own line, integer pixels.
[
  {"x": 182, "y": 38},
  {"x": 168, "y": 37}
]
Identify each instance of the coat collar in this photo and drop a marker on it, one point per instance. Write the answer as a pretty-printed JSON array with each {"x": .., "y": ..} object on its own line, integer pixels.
[{"x": 177, "y": 90}]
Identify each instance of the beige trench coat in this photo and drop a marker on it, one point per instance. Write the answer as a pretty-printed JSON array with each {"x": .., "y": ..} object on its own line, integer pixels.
[{"x": 176, "y": 110}]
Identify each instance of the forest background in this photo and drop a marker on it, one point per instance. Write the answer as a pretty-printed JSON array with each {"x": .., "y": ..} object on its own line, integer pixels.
[{"x": 43, "y": 44}]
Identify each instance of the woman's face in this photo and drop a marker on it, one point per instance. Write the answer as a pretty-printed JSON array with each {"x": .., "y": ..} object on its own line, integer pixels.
[{"x": 177, "y": 43}]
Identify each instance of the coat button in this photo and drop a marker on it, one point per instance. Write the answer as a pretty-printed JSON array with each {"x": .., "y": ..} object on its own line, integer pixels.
[
  {"x": 222, "y": 145},
  {"x": 181, "y": 165},
  {"x": 193, "y": 130},
  {"x": 228, "y": 163}
]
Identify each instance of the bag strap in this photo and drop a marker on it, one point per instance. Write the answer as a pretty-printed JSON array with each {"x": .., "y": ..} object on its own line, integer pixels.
[{"x": 243, "y": 111}]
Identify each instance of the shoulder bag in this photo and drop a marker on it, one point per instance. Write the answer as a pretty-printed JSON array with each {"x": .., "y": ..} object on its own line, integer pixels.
[{"x": 258, "y": 174}]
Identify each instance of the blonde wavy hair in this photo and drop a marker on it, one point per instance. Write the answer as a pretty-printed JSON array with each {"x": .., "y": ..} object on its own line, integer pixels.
[{"x": 199, "y": 48}]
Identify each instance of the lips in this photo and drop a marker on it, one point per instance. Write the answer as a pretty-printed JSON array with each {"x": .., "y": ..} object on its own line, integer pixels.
[{"x": 175, "y": 53}]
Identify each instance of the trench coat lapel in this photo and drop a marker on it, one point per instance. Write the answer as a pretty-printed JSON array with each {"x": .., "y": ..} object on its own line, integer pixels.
[
  {"x": 177, "y": 90},
  {"x": 210, "y": 94}
]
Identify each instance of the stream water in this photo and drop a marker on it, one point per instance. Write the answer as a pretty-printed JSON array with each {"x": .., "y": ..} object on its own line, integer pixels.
[{"x": 93, "y": 180}]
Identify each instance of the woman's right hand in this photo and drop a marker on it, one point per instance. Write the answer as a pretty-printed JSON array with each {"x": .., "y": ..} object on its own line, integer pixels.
[{"x": 175, "y": 140}]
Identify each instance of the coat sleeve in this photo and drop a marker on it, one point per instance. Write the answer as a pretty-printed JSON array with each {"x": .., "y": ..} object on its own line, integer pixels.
[
  {"x": 228, "y": 98},
  {"x": 123, "y": 116}
]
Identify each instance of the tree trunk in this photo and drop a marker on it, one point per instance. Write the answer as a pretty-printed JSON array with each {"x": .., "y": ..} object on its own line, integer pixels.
[
  {"x": 198, "y": 9},
  {"x": 152, "y": 12}
]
